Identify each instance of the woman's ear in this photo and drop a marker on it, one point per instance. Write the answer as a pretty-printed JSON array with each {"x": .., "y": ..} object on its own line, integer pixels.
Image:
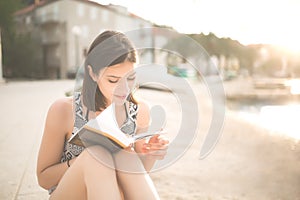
[{"x": 92, "y": 74}]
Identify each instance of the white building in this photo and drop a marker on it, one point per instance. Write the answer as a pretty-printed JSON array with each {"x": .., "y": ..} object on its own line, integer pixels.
[{"x": 65, "y": 29}]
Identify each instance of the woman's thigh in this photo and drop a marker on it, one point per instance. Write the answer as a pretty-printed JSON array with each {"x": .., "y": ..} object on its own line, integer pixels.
[
  {"x": 71, "y": 185},
  {"x": 89, "y": 176}
]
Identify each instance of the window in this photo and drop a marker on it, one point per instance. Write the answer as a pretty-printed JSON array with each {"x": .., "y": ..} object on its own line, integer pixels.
[
  {"x": 55, "y": 9},
  {"x": 80, "y": 10},
  {"x": 93, "y": 13},
  {"x": 105, "y": 16},
  {"x": 85, "y": 31}
]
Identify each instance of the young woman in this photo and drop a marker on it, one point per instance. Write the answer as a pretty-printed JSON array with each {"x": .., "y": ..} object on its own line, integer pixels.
[{"x": 73, "y": 172}]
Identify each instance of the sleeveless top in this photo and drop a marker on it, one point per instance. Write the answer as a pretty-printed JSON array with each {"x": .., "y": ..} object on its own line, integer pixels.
[{"x": 72, "y": 150}]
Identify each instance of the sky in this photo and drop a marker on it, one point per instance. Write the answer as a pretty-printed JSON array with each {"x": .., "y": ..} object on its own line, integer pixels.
[{"x": 248, "y": 21}]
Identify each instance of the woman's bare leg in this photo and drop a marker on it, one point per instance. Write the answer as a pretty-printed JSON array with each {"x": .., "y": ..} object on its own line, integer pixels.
[
  {"x": 132, "y": 177},
  {"x": 101, "y": 184},
  {"x": 71, "y": 185},
  {"x": 88, "y": 178}
]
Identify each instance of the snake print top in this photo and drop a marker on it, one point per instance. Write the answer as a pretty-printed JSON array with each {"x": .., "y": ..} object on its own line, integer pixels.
[
  {"x": 72, "y": 150},
  {"x": 128, "y": 127}
]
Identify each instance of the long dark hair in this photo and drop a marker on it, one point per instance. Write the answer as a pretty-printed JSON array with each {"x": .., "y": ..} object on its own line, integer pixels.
[{"x": 109, "y": 48}]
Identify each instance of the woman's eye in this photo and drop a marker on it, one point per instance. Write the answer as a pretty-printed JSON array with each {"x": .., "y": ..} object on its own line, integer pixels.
[
  {"x": 113, "y": 81},
  {"x": 131, "y": 78}
]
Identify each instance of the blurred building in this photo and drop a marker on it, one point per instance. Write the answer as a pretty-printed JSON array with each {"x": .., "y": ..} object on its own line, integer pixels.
[{"x": 64, "y": 30}]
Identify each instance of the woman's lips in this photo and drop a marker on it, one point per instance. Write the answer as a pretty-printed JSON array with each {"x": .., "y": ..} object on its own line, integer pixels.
[{"x": 121, "y": 96}]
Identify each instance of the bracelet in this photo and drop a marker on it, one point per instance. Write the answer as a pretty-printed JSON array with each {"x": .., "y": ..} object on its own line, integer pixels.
[{"x": 68, "y": 163}]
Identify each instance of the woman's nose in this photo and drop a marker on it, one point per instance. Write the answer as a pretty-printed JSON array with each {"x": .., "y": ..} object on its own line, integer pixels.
[{"x": 123, "y": 87}]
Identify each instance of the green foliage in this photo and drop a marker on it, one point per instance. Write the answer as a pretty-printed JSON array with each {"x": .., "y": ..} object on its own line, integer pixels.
[
  {"x": 246, "y": 55},
  {"x": 270, "y": 67},
  {"x": 19, "y": 51},
  {"x": 20, "y": 58},
  {"x": 175, "y": 46},
  {"x": 223, "y": 46},
  {"x": 294, "y": 63},
  {"x": 228, "y": 48},
  {"x": 7, "y": 9}
]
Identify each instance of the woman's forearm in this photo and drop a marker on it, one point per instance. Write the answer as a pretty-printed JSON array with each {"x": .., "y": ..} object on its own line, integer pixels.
[{"x": 51, "y": 176}]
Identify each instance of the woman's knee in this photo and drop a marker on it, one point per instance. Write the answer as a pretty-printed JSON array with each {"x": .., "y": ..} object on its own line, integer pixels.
[
  {"x": 98, "y": 154},
  {"x": 128, "y": 161}
]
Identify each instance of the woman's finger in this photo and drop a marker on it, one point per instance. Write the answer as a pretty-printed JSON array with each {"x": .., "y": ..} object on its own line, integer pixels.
[
  {"x": 154, "y": 139},
  {"x": 155, "y": 146}
]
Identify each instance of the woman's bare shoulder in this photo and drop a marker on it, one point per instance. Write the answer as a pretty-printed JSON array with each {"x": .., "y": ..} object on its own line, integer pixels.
[
  {"x": 60, "y": 116},
  {"x": 143, "y": 116},
  {"x": 61, "y": 108},
  {"x": 62, "y": 104}
]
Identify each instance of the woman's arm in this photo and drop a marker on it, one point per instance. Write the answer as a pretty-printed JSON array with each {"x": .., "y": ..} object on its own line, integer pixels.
[
  {"x": 58, "y": 124},
  {"x": 151, "y": 151}
]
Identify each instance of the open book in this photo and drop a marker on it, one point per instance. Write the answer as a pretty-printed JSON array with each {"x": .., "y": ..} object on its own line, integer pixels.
[{"x": 104, "y": 131}]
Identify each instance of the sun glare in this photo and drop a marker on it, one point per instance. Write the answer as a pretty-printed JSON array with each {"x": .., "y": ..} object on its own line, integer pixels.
[
  {"x": 273, "y": 22},
  {"x": 289, "y": 44},
  {"x": 282, "y": 119},
  {"x": 294, "y": 85}
]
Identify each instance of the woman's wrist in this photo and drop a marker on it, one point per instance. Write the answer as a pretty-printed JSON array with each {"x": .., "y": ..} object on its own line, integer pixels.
[{"x": 69, "y": 162}]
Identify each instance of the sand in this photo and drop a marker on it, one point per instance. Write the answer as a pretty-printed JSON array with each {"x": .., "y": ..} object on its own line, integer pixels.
[{"x": 248, "y": 161}]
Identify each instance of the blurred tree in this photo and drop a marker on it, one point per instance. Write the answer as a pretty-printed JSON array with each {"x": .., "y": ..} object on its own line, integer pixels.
[
  {"x": 7, "y": 8},
  {"x": 27, "y": 2},
  {"x": 294, "y": 62},
  {"x": 270, "y": 67},
  {"x": 21, "y": 58},
  {"x": 208, "y": 42},
  {"x": 250, "y": 55},
  {"x": 176, "y": 46},
  {"x": 228, "y": 48},
  {"x": 18, "y": 50}
]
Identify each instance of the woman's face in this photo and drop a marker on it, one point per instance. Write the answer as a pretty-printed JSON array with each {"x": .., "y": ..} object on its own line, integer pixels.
[{"x": 117, "y": 81}]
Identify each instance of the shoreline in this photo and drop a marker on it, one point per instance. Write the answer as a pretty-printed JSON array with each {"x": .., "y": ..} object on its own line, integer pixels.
[{"x": 262, "y": 89}]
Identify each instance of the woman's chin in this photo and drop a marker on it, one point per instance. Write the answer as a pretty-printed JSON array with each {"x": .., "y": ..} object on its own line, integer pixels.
[{"x": 119, "y": 101}]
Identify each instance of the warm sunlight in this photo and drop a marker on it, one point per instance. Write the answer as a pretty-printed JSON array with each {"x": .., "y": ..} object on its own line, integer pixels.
[
  {"x": 282, "y": 119},
  {"x": 294, "y": 85},
  {"x": 291, "y": 46},
  {"x": 249, "y": 22}
]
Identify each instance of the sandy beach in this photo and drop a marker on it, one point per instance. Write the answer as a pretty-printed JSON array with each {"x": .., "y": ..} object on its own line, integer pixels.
[{"x": 248, "y": 162}]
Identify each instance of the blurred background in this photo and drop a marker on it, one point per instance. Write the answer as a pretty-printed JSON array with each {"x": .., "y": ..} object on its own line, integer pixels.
[
  {"x": 253, "y": 46},
  {"x": 50, "y": 38}
]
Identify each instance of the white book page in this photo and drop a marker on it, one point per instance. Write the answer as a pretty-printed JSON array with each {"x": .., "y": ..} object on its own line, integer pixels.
[{"x": 108, "y": 124}]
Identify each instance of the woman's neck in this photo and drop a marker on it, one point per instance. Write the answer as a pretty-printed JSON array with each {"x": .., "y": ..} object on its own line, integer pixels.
[{"x": 120, "y": 114}]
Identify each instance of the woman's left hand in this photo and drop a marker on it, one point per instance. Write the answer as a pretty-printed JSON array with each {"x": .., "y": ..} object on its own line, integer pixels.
[{"x": 157, "y": 147}]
